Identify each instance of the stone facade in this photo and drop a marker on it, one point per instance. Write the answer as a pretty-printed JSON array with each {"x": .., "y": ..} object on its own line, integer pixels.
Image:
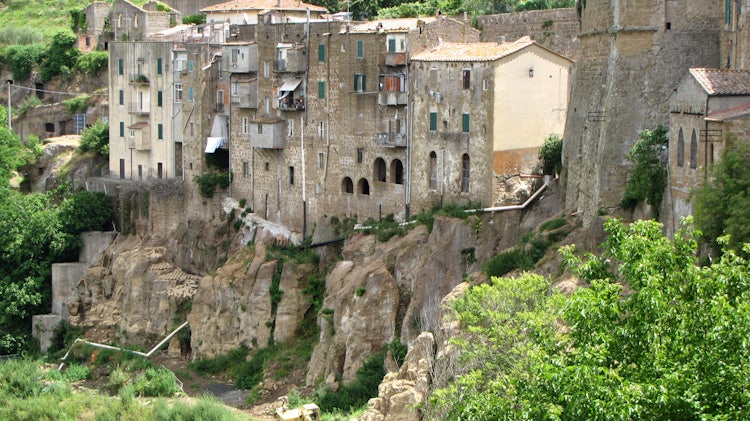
[
  {"x": 132, "y": 23},
  {"x": 632, "y": 56},
  {"x": 556, "y": 29}
]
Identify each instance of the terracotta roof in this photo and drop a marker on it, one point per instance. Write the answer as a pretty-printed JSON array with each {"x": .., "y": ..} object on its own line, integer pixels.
[
  {"x": 473, "y": 51},
  {"x": 732, "y": 113},
  {"x": 240, "y": 5},
  {"x": 388, "y": 25},
  {"x": 723, "y": 81}
]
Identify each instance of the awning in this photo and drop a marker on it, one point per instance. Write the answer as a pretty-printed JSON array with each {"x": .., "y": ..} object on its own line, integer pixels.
[
  {"x": 286, "y": 94},
  {"x": 213, "y": 143},
  {"x": 290, "y": 85}
]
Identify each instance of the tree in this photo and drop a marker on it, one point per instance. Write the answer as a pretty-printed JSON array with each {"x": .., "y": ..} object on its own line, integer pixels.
[
  {"x": 96, "y": 138},
  {"x": 722, "y": 205},
  {"x": 649, "y": 177},
  {"x": 551, "y": 155},
  {"x": 653, "y": 336},
  {"x": 61, "y": 56}
]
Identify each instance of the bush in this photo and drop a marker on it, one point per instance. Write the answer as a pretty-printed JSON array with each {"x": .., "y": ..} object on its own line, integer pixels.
[
  {"x": 19, "y": 379},
  {"x": 208, "y": 182},
  {"x": 360, "y": 291},
  {"x": 31, "y": 101},
  {"x": 23, "y": 58},
  {"x": 194, "y": 19},
  {"x": 85, "y": 211},
  {"x": 117, "y": 379},
  {"x": 23, "y": 35},
  {"x": 649, "y": 177},
  {"x": 156, "y": 382},
  {"x": 398, "y": 351},
  {"x": 61, "y": 56},
  {"x": 96, "y": 138},
  {"x": 358, "y": 393},
  {"x": 551, "y": 155},
  {"x": 93, "y": 63},
  {"x": 502, "y": 263},
  {"x": 75, "y": 372}
]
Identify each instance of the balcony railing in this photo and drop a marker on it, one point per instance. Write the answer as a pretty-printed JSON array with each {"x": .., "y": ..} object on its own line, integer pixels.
[
  {"x": 394, "y": 59},
  {"x": 391, "y": 140},
  {"x": 139, "y": 79},
  {"x": 136, "y": 108},
  {"x": 392, "y": 98}
]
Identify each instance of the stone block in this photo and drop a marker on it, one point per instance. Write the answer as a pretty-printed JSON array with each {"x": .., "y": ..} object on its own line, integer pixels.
[
  {"x": 95, "y": 243},
  {"x": 65, "y": 279},
  {"x": 43, "y": 329}
]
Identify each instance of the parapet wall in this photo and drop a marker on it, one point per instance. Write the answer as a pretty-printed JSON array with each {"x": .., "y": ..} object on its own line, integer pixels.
[{"x": 556, "y": 29}]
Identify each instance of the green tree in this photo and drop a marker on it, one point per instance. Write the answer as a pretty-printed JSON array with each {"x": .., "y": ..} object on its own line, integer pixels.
[
  {"x": 551, "y": 155},
  {"x": 653, "y": 336},
  {"x": 649, "y": 177},
  {"x": 61, "y": 56},
  {"x": 96, "y": 138},
  {"x": 722, "y": 205}
]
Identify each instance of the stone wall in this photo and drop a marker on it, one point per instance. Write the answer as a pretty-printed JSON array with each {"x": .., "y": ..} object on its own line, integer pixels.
[{"x": 556, "y": 29}]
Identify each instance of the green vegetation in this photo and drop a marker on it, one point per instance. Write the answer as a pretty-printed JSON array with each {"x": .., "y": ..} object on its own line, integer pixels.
[
  {"x": 30, "y": 394},
  {"x": 723, "y": 202},
  {"x": 96, "y": 138},
  {"x": 78, "y": 104},
  {"x": 360, "y": 291},
  {"x": 551, "y": 155},
  {"x": 384, "y": 229},
  {"x": 30, "y": 102},
  {"x": 61, "y": 56},
  {"x": 23, "y": 58},
  {"x": 356, "y": 394},
  {"x": 454, "y": 210},
  {"x": 43, "y": 17},
  {"x": 671, "y": 348},
  {"x": 194, "y": 19},
  {"x": 93, "y": 63},
  {"x": 208, "y": 182},
  {"x": 649, "y": 177}
]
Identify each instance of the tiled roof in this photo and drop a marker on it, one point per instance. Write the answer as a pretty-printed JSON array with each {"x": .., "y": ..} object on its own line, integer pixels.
[
  {"x": 473, "y": 51},
  {"x": 723, "y": 81},
  {"x": 732, "y": 113},
  {"x": 389, "y": 25},
  {"x": 240, "y": 5}
]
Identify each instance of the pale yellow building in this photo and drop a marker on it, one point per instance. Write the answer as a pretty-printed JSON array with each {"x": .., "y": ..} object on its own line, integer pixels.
[{"x": 248, "y": 12}]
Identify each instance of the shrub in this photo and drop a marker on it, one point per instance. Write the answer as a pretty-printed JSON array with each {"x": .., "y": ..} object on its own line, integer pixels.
[
  {"x": 552, "y": 224},
  {"x": 649, "y": 177},
  {"x": 93, "y": 63},
  {"x": 156, "y": 382},
  {"x": 75, "y": 372},
  {"x": 360, "y": 391},
  {"x": 208, "y": 182},
  {"x": 31, "y": 101},
  {"x": 20, "y": 35},
  {"x": 96, "y": 138},
  {"x": 194, "y": 19},
  {"x": 117, "y": 379},
  {"x": 551, "y": 155},
  {"x": 85, "y": 211},
  {"x": 398, "y": 351},
  {"x": 61, "y": 56},
  {"x": 502, "y": 263},
  {"x": 78, "y": 20},
  {"x": 23, "y": 58},
  {"x": 360, "y": 291},
  {"x": 19, "y": 379}
]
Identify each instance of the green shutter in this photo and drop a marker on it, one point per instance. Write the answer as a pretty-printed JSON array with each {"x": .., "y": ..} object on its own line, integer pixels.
[
  {"x": 158, "y": 99},
  {"x": 321, "y": 89},
  {"x": 392, "y": 45},
  {"x": 465, "y": 122},
  {"x": 120, "y": 67},
  {"x": 190, "y": 66},
  {"x": 160, "y": 131},
  {"x": 190, "y": 93},
  {"x": 360, "y": 49},
  {"x": 321, "y": 53},
  {"x": 356, "y": 83},
  {"x": 364, "y": 85},
  {"x": 122, "y": 129},
  {"x": 122, "y": 97},
  {"x": 158, "y": 66},
  {"x": 433, "y": 121}
]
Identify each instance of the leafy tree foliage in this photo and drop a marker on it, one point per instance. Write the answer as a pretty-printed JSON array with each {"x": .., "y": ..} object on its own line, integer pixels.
[
  {"x": 93, "y": 63},
  {"x": 671, "y": 344},
  {"x": 551, "y": 155},
  {"x": 649, "y": 177},
  {"x": 23, "y": 58},
  {"x": 96, "y": 138},
  {"x": 61, "y": 56},
  {"x": 723, "y": 202}
]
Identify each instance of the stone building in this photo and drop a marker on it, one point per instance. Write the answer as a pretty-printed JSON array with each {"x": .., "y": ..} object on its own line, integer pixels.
[
  {"x": 98, "y": 32},
  {"x": 249, "y": 12},
  {"x": 129, "y": 22},
  {"x": 481, "y": 110},
  {"x": 710, "y": 107},
  {"x": 632, "y": 57}
]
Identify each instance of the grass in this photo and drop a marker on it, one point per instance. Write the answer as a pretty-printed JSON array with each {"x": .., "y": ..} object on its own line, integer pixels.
[{"x": 47, "y": 17}]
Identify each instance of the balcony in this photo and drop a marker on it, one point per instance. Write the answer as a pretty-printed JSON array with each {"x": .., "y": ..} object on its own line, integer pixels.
[
  {"x": 139, "y": 143},
  {"x": 139, "y": 79},
  {"x": 220, "y": 107},
  {"x": 139, "y": 108},
  {"x": 292, "y": 103},
  {"x": 246, "y": 95},
  {"x": 393, "y": 59},
  {"x": 392, "y": 98},
  {"x": 391, "y": 140}
]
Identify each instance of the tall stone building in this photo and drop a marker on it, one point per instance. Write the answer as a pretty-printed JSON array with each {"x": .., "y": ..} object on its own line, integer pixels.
[{"x": 632, "y": 56}]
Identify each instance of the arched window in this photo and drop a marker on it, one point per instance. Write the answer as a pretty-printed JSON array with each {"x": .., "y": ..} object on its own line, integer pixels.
[
  {"x": 397, "y": 172},
  {"x": 465, "y": 173},
  {"x": 433, "y": 170},
  {"x": 693, "y": 151},
  {"x": 379, "y": 169},
  {"x": 347, "y": 186},
  {"x": 680, "y": 149},
  {"x": 136, "y": 21},
  {"x": 363, "y": 187}
]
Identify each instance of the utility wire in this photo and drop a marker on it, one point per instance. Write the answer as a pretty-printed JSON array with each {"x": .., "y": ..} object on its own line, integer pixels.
[{"x": 55, "y": 92}]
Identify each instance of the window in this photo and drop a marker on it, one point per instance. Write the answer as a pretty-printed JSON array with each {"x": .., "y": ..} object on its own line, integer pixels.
[
  {"x": 190, "y": 94},
  {"x": 122, "y": 97},
  {"x": 322, "y": 130},
  {"x": 177, "y": 92},
  {"x": 485, "y": 84},
  {"x": 291, "y": 176},
  {"x": 120, "y": 67},
  {"x": 433, "y": 171},
  {"x": 135, "y": 22},
  {"x": 321, "y": 52},
  {"x": 727, "y": 11},
  {"x": 466, "y": 78},
  {"x": 160, "y": 131},
  {"x": 465, "y": 122},
  {"x": 397, "y": 172},
  {"x": 290, "y": 128},
  {"x": 360, "y": 49},
  {"x": 235, "y": 54},
  {"x": 360, "y": 152},
  {"x": 190, "y": 66},
  {"x": 132, "y": 132},
  {"x": 379, "y": 168},
  {"x": 192, "y": 129},
  {"x": 245, "y": 125},
  {"x": 245, "y": 169},
  {"x": 159, "y": 98},
  {"x": 321, "y": 159},
  {"x": 359, "y": 83},
  {"x": 140, "y": 172},
  {"x": 266, "y": 68},
  {"x": 363, "y": 187},
  {"x": 220, "y": 101},
  {"x": 267, "y": 166},
  {"x": 119, "y": 20},
  {"x": 392, "y": 45},
  {"x": 260, "y": 129},
  {"x": 433, "y": 121},
  {"x": 321, "y": 89},
  {"x": 347, "y": 186},
  {"x": 159, "y": 170},
  {"x": 693, "y": 151},
  {"x": 465, "y": 173},
  {"x": 122, "y": 129},
  {"x": 433, "y": 78},
  {"x": 680, "y": 149},
  {"x": 158, "y": 66}
]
